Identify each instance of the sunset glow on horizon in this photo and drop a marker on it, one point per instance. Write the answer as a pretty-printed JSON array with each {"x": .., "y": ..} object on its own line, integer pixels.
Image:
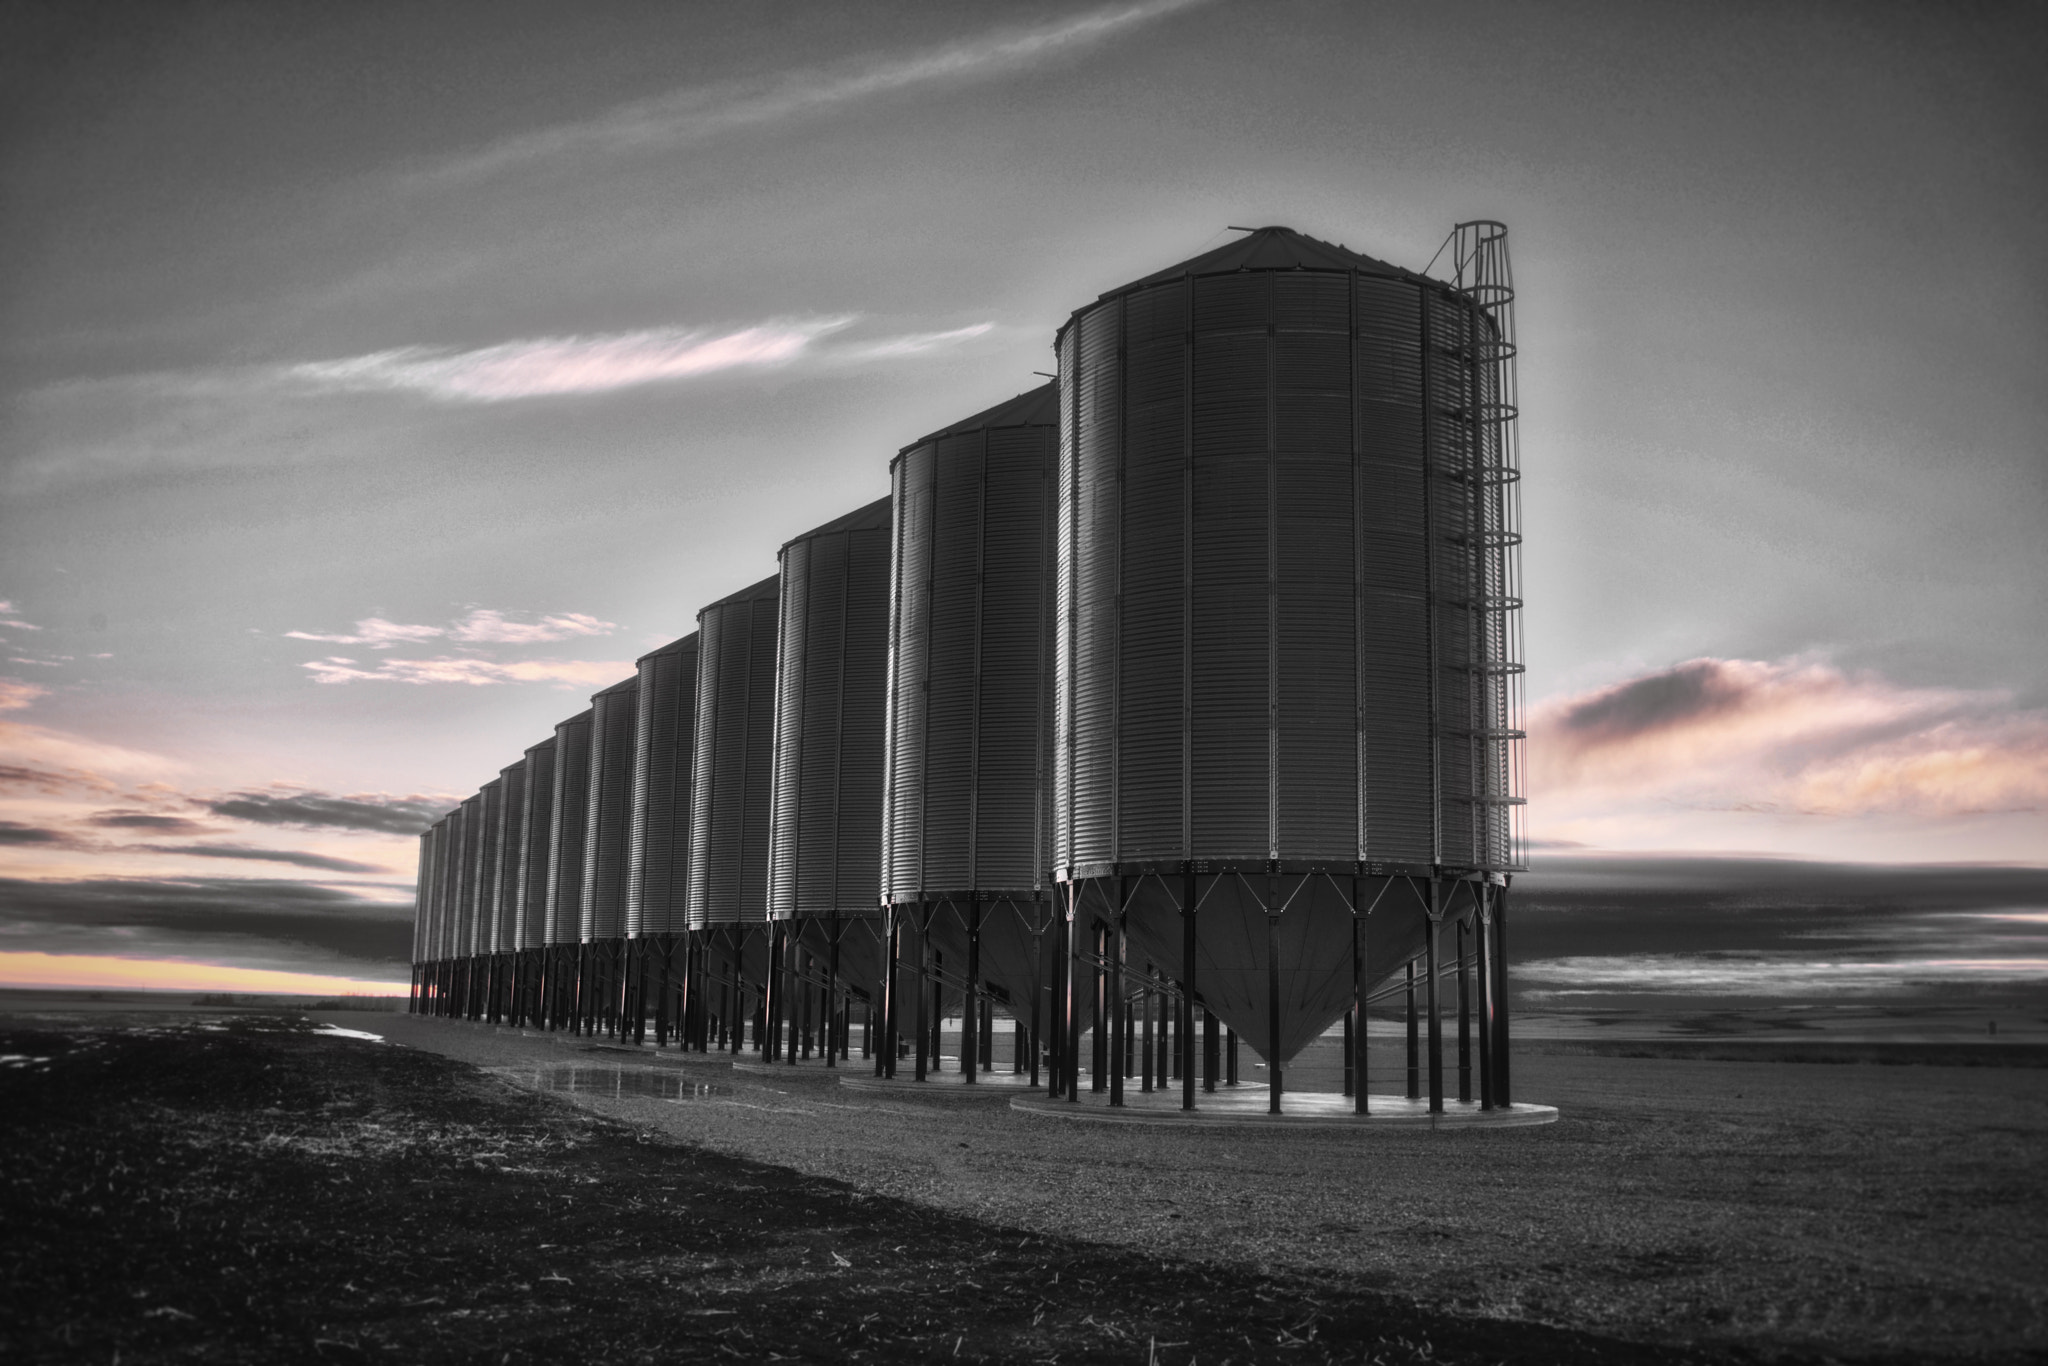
[{"x": 44, "y": 970}]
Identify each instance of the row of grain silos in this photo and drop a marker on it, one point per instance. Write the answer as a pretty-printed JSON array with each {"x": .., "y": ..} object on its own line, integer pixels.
[{"x": 1181, "y": 690}]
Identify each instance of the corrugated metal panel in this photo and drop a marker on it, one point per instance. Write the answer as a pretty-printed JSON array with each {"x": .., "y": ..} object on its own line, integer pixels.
[
  {"x": 448, "y": 881},
  {"x": 422, "y": 879},
  {"x": 511, "y": 843},
  {"x": 972, "y": 621},
  {"x": 1393, "y": 617},
  {"x": 733, "y": 778},
  {"x": 535, "y": 843},
  {"x": 1066, "y": 620},
  {"x": 830, "y": 707},
  {"x": 1096, "y": 556},
  {"x": 569, "y": 821},
  {"x": 658, "y": 885},
  {"x": 614, "y": 713},
  {"x": 491, "y": 812},
  {"x": 467, "y": 940},
  {"x": 1285, "y": 488}
]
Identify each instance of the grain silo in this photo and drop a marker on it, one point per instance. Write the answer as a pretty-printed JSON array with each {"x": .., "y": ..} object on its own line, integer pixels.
[
  {"x": 825, "y": 823},
  {"x": 966, "y": 822},
  {"x": 731, "y": 783},
  {"x": 506, "y": 887},
  {"x": 569, "y": 819},
  {"x": 471, "y": 819},
  {"x": 422, "y": 914},
  {"x": 1287, "y": 663},
  {"x": 613, "y": 714},
  {"x": 658, "y": 865},
  {"x": 535, "y": 840},
  {"x": 447, "y": 862}
]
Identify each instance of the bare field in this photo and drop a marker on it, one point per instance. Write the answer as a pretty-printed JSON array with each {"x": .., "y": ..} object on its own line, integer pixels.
[{"x": 1853, "y": 1209}]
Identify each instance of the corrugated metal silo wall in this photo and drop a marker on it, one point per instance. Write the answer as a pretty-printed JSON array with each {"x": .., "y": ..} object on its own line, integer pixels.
[
  {"x": 969, "y": 698},
  {"x": 733, "y": 775},
  {"x": 447, "y": 879},
  {"x": 511, "y": 843},
  {"x": 420, "y": 910},
  {"x": 568, "y": 822},
  {"x": 658, "y": 881},
  {"x": 491, "y": 814},
  {"x": 471, "y": 816},
  {"x": 536, "y": 840},
  {"x": 1262, "y": 575},
  {"x": 832, "y": 670},
  {"x": 614, "y": 713}
]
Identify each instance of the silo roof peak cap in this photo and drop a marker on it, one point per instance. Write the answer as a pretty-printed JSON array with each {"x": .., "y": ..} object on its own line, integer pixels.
[
  {"x": 1269, "y": 248},
  {"x": 674, "y": 647},
  {"x": 1038, "y": 407},
  {"x": 769, "y": 587},
  {"x": 867, "y": 517}
]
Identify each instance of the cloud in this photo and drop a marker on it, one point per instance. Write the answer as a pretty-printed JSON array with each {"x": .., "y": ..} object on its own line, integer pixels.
[
  {"x": 145, "y": 820},
  {"x": 16, "y": 695},
  {"x": 315, "y": 810},
  {"x": 1766, "y": 975},
  {"x": 257, "y": 922},
  {"x": 566, "y": 673},
  {"x": 14, "y": 832},
  {"x": 1786, "y": 736},
  {"x": 375, "y": 632},
  {"x": 482, "y": 626},
  {"x": 294, "y": 857},
  {"x": 567, "y": 365},
  {"x": 912, "y": 343},
  {"x": 694, "y": 114}
]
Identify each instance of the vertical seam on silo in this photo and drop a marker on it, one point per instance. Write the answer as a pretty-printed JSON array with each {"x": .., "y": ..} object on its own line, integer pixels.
[
  {"x": 1041, "y": 783},
  {"x": 1272, "y": 573},
  {"x": 1116, "y": 634},
  {"x": 891, "y": 705},
  {"x": 974, "y": 730},
  {"x": 1360, "y": 752},
  {"x": 782, "y": 745},
  {"x": 839, "y": 726},
  {"x": 1429, "y": 586},
  {"x": 1187, "y": 569},
  {"x": 929, "y": 593}
]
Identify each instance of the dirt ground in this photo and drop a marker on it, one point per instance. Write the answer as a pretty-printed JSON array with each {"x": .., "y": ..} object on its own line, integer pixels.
[{"x": 239, "y": 1191}]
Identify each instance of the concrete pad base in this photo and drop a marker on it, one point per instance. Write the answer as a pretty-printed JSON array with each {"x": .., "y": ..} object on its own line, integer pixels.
[
  {"x": 1245, "y": 1107},
  {"x": 945, "y": 1085}
]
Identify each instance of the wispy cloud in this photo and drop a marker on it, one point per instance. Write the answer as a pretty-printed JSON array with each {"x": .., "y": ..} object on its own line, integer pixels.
[
  {"x": 568, "y": 365},
  {"x": 566, "y": 673},
  {"x": 482, "y": 626},
  {"x": 360, "y": 811},
  {"x": 10, "y": 615},
  {"x": 1790, "y": 736},
  {"x": 693, "y": 114},
  {"x": 16, "y": 695},
  {"x": 1757, "y": 974},
  {"x": 298, "y": 858}
]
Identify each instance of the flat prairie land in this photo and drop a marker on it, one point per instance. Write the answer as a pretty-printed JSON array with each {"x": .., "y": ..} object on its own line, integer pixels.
[{"x": 243, "y": 1188}]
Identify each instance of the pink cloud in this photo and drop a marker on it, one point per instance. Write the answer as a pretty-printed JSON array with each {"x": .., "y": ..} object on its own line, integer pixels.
[
  {"x": 569, "y": 365},
  {"x": 566, "y": 673},
  {"x": 374, "y": 632},
  {"x": 484, "y": 625},
  {"x": 15, "y": 694},
  {"x": 1787, "y": 736}
]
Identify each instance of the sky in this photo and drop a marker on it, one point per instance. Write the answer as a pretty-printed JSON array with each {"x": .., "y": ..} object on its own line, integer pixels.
[{"x": 377, "y": 381}]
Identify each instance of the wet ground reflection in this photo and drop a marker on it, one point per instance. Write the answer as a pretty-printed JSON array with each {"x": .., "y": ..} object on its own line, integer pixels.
[{"x": 650, "y": 1083}]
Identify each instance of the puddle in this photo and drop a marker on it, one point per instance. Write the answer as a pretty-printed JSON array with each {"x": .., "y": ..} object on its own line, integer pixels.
[
  {"x": 651, "y": 1083},
  {"x": 334, "y": 1031}
]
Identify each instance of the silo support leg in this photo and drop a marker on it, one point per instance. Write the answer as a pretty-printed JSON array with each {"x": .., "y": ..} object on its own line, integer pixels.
[
  {"x": 1433, "y": 947},
  {"x": 1119, "y": 1020},
  {"x": 1272, "y": 1012},
  {"x": 1414, "y": 1038},
  {"x": 1189, "y": 942},
  {"x": 922, "y": 1022},
  {"x": 1464, "y": 1017},
  {"x": 1501, "y": 1095},
  {"x": 970, "y": 1009}
]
